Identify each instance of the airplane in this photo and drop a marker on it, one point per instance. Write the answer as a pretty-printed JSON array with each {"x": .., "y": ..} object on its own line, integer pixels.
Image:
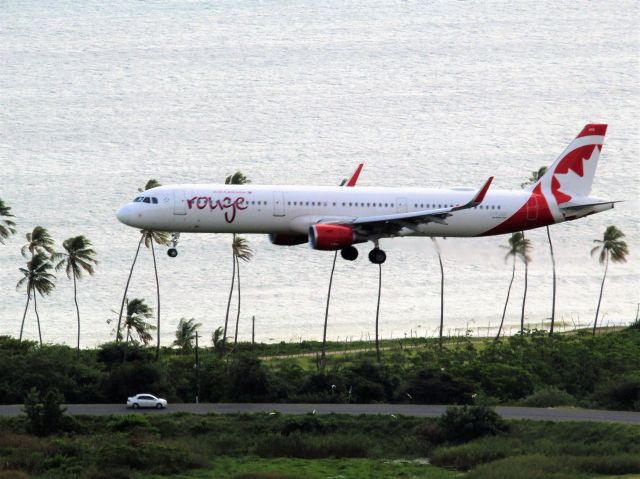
[{"x": 338, "y": 218}]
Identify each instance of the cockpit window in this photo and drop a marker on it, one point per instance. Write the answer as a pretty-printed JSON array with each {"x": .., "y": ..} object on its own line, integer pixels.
[
  {"x": 138, "y": 199},
  {"x": 154, "y": 200},
  {"x": 147, "y": 200}
]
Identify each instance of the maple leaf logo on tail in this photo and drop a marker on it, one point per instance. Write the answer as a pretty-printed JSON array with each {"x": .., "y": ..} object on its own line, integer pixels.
[{"x": 571, "y": 175}]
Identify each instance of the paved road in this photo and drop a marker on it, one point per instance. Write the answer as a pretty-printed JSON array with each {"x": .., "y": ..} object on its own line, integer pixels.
[{"x": 398, "y": 409}]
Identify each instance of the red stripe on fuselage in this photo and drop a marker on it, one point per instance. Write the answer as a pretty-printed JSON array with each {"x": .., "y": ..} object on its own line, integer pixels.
[{"x": 518, "y": 221}]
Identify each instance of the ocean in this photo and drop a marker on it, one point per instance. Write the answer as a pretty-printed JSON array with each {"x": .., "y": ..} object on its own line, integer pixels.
[{"x": 98, "y": 97}]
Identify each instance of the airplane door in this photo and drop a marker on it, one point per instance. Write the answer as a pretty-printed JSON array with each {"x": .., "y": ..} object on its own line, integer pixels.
[
  {"x": 401, "y": 205},
  {"x": 179, "y": 202},
  {"x": 278, "y": 203},
  {"x": 532, "y": 208}
]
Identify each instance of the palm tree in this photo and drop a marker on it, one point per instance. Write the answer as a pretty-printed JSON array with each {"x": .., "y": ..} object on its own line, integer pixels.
[
  {"x": 38, "y": 241},
  {"x": 241, "y": 251},
  {"x": 186, "y": 334},
  {"x": 378, "y": 311},
  {"x": 535, "y": 176},
  {"x": 435, "y": 243},
  {"x": 611, "y": 245},
  {"x": 137, "y": 312},
  {"x": 147, "y": 237},
  {"x": 79, "y": 257},
  {"x": 237, "y": 178},
  {"x": 518, "y": 248},
  {"x": 6, "y": 225},
  {"x": 38, "y": 279}
]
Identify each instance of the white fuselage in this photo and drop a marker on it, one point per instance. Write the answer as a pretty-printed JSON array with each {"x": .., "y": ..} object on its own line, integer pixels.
[{"x": 293, "y": 209}]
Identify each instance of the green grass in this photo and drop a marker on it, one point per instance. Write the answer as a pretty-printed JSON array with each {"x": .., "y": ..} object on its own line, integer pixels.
[{"x": 281, "y": 468}]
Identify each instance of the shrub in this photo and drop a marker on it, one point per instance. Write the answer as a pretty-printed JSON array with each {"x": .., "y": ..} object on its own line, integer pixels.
[
  {"x": 464, "y": 423},
  {"x": 246, "y": 380},
  {"x": 505, "y": 382},
  {"x": 429, "y": 431},
  {"x": 549, "y": 397},
  {"x": 314, "y": 447},
  {"x": 432, "y": 386},
  {"x": 622, "y": 393},
  {"x": 467, "y": 456},
  {"x": 45, "y": 416}
]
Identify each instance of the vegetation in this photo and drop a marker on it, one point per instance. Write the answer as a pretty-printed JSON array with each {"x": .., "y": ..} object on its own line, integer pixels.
[
  {"x": 579, "y": 369},
  {"x": 79, "y": 257},
  {"x": 519, "y": 247},
  {"x": 37, "y": 279},
  {"x": 278, "y": 446},
  {"x": 237, "y": 178},
  {"x": 6, "y": 224},
  {"x": 610, "y": 246},
  {"x": 147, "y": 237}
]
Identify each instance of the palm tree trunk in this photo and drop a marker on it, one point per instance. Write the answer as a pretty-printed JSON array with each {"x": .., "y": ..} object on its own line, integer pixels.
[
  {"x": 126, "y": 288},
  {"x": 226, "y": 318},
  {"x": 441, "y": 298},
  {"x": 326, "y": 314},
  {"x": 235, "y": 339},
  {"x": 504, "y": 311},
  {"x": 524, "y": 297},
  {"x": 378, "y": 311},
  {"x": 35, "y": 307},
  {"x": 126, "y": 345},
  {"x": 553, "y": 301},
  {"x": 24, "y": 316},
  {"x": 606, "y": 266},
  {"x": 155, "y": 269},
  {"x": 75, "y": 299}
]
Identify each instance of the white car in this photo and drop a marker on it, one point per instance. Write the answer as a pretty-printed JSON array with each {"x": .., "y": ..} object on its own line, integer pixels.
[{"x": 146, "y": 400}]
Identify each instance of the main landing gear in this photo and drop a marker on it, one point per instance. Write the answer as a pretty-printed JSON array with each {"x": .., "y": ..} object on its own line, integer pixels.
[
  {"x": 173, "y": 252},
  {"x": 350, "y": 253},
  {"x": 377, "y": 256}
]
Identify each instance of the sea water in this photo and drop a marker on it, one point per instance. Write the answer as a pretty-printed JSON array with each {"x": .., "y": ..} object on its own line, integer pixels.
[{"x": 98, "y": 97}]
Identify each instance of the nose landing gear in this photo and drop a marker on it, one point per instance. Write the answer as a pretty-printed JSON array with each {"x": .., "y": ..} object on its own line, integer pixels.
[
  {"x": 173, "y": 252},
  {"x": 350, "y": 253}
]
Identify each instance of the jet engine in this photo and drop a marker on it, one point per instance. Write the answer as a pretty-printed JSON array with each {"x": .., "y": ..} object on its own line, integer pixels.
[
  {"x": 331, "y": 237},
  {"x": 287, "y": 240}
]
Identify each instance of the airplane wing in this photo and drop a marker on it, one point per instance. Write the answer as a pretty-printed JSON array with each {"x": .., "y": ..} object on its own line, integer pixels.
[{"x": 391, "y": 224}]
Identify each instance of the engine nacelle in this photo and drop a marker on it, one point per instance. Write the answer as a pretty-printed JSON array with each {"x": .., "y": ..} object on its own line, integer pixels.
[
  {"x": 287, "y": 240},
  {"x": 331, "y": 237}
]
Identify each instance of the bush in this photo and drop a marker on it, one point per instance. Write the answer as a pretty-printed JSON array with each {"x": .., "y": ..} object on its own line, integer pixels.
[
  {"x": 464, "y": 423},
  {"x": 315, "y": 447},
  {"x": 431, "y": 386},
  {"x": 246, "y": 380},
  {"x": 45, "y": 416},
  {"x": 549, "y": 397},
  {"x": 505, "y": 382},
  {"x": 622, "y": 393},
  {"x": 467, "y": 456}
]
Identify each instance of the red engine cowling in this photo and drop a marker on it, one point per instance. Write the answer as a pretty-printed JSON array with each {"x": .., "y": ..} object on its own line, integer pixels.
[
  {"x": 287, "y": 240},
  {"x": 331, "y": 237}
]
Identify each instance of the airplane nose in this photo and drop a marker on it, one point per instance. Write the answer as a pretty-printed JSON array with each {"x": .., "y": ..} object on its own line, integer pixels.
[{"x": 124, "y": 215}]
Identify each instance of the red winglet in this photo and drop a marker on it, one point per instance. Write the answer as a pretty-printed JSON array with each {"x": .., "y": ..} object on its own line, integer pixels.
[
  {"x": 483, "y": 191},
  {"x": 354, "y": 178}
]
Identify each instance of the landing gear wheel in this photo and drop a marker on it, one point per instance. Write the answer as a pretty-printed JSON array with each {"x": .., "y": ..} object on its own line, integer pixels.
[
  {"x": 350, "y": 253},
  {"x": 377, "y": 256},
  {"x": 173, "y": 252}
]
